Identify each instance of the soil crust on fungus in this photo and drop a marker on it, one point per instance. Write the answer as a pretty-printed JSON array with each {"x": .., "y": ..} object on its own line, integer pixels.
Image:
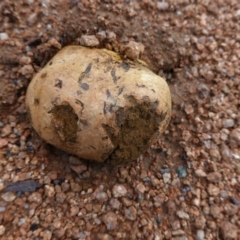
[
  {"x": 138, "y": 124},
  {"x": 65, "y": 122}
]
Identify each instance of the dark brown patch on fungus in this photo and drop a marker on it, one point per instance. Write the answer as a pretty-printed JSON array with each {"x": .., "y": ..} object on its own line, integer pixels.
[
  {"x": 137, "y": 125},
  {"x": 125, "y": 66},
  {"x": 58, "y": 83},
  {"x": 85, "y": 73},
  {"x": 36, "y": 101},
  {"x": 29, "y": 114},
  {"x": 108, "y": 93},
  {"x": 43, "y": 75},
  {"x": 141, "y": 85},
  {"x": 85, "y": 86},
  {"x": 113, "y": 74},
  {"x": 84, "y": 122},
  {"x": 65, "y": 122},
  {"x": 120, "y": 90}
]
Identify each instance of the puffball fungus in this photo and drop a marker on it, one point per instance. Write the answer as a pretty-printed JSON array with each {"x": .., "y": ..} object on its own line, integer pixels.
[{"x": 93, "y": 104}]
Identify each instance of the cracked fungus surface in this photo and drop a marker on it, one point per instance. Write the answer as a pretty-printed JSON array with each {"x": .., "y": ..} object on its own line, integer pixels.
[
  {"x": 139, "y": 123},
  {"x": 65, "y": 122}
]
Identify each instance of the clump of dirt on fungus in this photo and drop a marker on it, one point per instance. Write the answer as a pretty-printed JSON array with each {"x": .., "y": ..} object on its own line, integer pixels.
[
  {"x": 65, "y": 122},
  {"x": 139, "y": 124}
]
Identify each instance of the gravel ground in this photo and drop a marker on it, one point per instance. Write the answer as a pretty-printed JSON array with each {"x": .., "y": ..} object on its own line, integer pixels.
[{"x": 187, "y": 185}]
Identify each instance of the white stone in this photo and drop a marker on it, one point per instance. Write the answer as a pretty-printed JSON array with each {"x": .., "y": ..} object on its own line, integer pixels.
[
  {"x": 119, "y": 190},
  {"x": 200, "y": 235},
  {"x": 183, "y": 215},
  {"x": 166, "y": 177},
  {"x": 8, "y": 196},
  {"x": 228, "y": 123},
  {"x": 3, "y": 36},
  {"x": 162, "y": 6},
  {"x": 200, "y": 173}
]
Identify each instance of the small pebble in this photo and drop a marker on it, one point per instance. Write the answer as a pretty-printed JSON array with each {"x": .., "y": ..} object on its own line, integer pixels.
[
  {"x": 213, "y": 190},
  {"x": 178, "y": 232},
  {"x": 183, "y": 215},
  {"x": 196, "y": 202},
  {"x": 101, "y": 35},
  {"x": 30, "y": 1},
  {"x": 146, "y": 179},
  {"x": 140, "y": 188},
  {"x": 89, "y": 41},
  {"x": 159, "y": 200},
  {"x": 166, "y": 177},
  {"x": 3, "y": 36},
  {"x": 131, "y": 213},
  {"x": 110, "y": 220},
  {"x": 164, "y": 170},
  {"x": 24, "y": 60},
  {"x": 181, "y": 171},
  {"x": 45, "y": 3},
  {"x": 102, "y": 196},
  {"x": 8, "y": 196},
  {"x": 189, "y": 109},
  {"x": 228, "y": 123},
  {"x": 214, "y": 177},
  {"x": 2, "y": 230},
  {"x": 186, "y": 188},
  {"x": 200, "y": 235},
  {"x": 223, "y": 194},
  {"x": 35, "y": 198},
  {"x": 235, "y": 136},
  {"x": 235, "y": 201},
  {"x": 162, "y": 6},
  {"x": 200, "y": 222},
  {"x": 3, "y": 142},
  {"x": 111, "y": 36},
  {"x": 46, "y": 235},
  {"x": 133, "y": 50},
  {"x": 231, "y": 209},
  {"x": 74, "y": 211},
  {"x": 119, "y": 190},
  {"x": 7, "y": 129},
  {"x": 2, "y": 209},
  {"x": 200, "y": 173},
  {"x": 115, "y": 204},
  {"x": 27, "y": 70},
  {"x": 49, "y": 191},
  {"x": 228, "y": 230}
]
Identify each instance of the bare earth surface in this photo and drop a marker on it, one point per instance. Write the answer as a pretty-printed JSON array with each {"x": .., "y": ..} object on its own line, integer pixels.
[{"x": 186, "y": 186}]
